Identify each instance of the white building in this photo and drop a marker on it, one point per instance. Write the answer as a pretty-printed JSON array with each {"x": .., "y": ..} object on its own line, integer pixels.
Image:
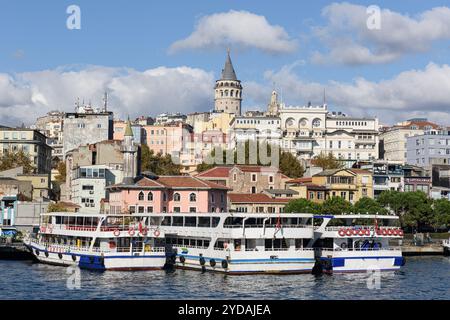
[
  {"x": 256, "y": 128},
  {"x": 310, "y": 130},
  {"x": 89, "y": 185}
]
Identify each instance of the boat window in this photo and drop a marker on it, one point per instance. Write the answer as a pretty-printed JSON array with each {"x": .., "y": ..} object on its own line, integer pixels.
[
  {"x": 215, "y": 222},
  {"x": 58, "y": 220},
  {"x": 167, "y": 221},
  {"x": 186, "y": 242},
  {"x": 177, "y": 221},
  {"x": 206, "y": 243},
  {"x": 79, "y": 221},
  {"x": 95, "y": 221},
  {"x": 154, "y": 221},
  {"x": 231, "y": 222},
  {"x": 192, "y": 242},
  {"x": 204, "y": 222},
  {"x": 219, "y": 244},
  {"x": 190, "y": 221}
]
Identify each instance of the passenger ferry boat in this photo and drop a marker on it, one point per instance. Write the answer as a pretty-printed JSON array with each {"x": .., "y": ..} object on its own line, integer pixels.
[
  {"x": 357, "y": 243},
  {"x": 98, "y": 242},
  {"x": 231, "y": 243},
  {"x": 241, "y": 243}
]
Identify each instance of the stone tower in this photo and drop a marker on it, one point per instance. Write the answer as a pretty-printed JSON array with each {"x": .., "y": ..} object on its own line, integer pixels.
[
  {"x": 129, "y": 150},
  {"x": 273, "y": 108},
  {"x": 228, "y": 90}
]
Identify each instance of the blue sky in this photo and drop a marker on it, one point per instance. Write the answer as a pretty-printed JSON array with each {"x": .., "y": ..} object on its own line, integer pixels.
[{"x": 137, "y": 35}]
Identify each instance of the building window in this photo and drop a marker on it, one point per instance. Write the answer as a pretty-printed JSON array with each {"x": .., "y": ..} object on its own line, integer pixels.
[
  {"x": 253, "y": 177},
  {"x": 270, "y": 179},
  {"x": 150, "y": 196},
  {"x": 176, "y": 197},
  {"x": 176, "y": 209},
  {"x": 132, "y": 209},
  {"x": 141, "y": 196},
  {"x": 253, "y": 189},
  {"x": 149, "y": 209},
  {"x": 192, "y": 197},
  {"x": 140, "y": 209},
  {"x": 164, "y": 196},
  {"x": 311, "y": 195},
  {"x": 213, "y": 199},
  {"x": 193, "y": 209}
]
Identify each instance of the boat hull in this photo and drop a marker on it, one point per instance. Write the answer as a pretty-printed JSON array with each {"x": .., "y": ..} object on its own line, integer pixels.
[
  {"x": 92, "y": 261},
  {"x": 360, "y": 261}
]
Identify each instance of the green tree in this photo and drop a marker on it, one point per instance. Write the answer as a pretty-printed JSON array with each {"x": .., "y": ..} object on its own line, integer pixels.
[
  {"x": 418, "y": 211},
  {"x": 327, "y": 161},
  {"x": 336, "y": 206},
  {"x": 370, "y": 206},
  {"x": 56, "y": 207},
  {"x": 441, "y": 217},
  {"x": 61, "y": 177},
  {"x": 15, "y": 159},
  {"x": 158, "y": 164},
  {"x": 303, "y": 206},
  {"x": 393, "y": 201},
  {"x": 290, "y": 166}
]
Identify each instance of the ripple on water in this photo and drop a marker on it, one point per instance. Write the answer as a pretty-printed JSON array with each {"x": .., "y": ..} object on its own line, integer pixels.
[{"x": 421, "y": 278}]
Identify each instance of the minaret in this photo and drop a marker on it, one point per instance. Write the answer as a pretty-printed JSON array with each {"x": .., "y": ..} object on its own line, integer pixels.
[
  {"x": 129, "y": 150},
  {"x": 228, "y": 90}
]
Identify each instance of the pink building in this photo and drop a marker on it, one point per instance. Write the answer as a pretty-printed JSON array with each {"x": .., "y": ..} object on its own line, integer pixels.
[{"x": 168, "y": 194}]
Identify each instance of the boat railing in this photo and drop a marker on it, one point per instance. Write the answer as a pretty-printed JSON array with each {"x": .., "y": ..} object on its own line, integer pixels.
[
  {"x": 74, "y": 227},
  {"x": 267, "y": 226},
  {"x": 361, "y": 249},
  {"x": 188, "y": 246},
  {"x": 337, "y": 228}
]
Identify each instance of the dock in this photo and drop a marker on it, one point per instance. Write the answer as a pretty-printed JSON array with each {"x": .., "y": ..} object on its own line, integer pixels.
[
  {"x": 425, "y": 250},
  {"x": 14, "y": 251}
]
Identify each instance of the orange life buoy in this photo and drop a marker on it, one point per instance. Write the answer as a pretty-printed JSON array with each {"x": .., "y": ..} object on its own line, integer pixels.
[
  {"x": 348, "y": 232},
  {"x": 131, "y": 231},
  {"x": 384, "y": 232},
  {"x": 367, "y": 232},
  {"x": 156, "y": 233},
  {"x": 342, "y": 232},
  {"x": 355, "y": 232},
  {"x": 390, "y": 232},
  {"x": 400, "y": 232},
  {"x": 361, "y": 232},
  {"x": 394, "y": 232},
  {"x": 116, "y": 232},
  {"x": 144, "y": 231}
]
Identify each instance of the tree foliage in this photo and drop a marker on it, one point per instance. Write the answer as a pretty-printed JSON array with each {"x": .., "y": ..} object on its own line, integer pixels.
[
  {"x": 56, "y": 207},
  {"x": 158, "y": 164},
  {"x": 367, "y": 205},
  {"x": 15, "y": 159},
  {"x": 303, "y": 206},
  {"x": 337, "y": 205},
  {"x": 61, "y": 177},
  {"x": 327, "y": 161}
]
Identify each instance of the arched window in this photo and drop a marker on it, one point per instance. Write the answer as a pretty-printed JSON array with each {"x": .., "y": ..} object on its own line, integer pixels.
[
  {"x": 192, "y": 197},
  {"x": 221, "y": 93},
  {"x": 316, "y": 123},
  {"x": 141, "y": 196},
  {"x": 150, "y": 196},
  {"x": 231, "y": 93},
  {"x": 176, "y": 197},
  {"x": 164, "y": 196},
  {"x": 226, "y": 93}
]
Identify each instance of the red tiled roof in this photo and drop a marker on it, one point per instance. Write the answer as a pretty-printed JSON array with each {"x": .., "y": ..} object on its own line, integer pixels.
[
  {"x": 255, "y": 198},
  {"x": 188, "y": 182},
  {"x": 250, "y": 168},
  {"x": 216, "y": 172},
  {"x": 300, "y": 180}
]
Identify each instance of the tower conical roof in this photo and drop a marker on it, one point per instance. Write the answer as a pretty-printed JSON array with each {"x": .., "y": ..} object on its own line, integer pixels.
[
  {"x": 228, "y": 71},
  {"x": 128, "y": 130}
]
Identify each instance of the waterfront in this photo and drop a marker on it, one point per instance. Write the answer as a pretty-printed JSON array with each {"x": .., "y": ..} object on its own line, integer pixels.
[{"x": 421, "y": 278}]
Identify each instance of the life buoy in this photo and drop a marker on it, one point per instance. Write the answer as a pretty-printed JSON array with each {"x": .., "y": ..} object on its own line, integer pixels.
[
  {"x": 341, "y": 232},
  {"x": 379, "y": 232},
  {"x": 361, "y": 232},
  {"x": 212, "y": 262},
  {"x": 156, "y": 233},
  {"x": 116, "y": 232},
  {"x": 390, "y": 232},
  {"x": 400, "y": 232},
  {"x": 131, "y": 231},
  {"x": 384, "y": 232},
  {"x": 367, "y": 232},
  {"x": 395, "y": 232},
  {"x": 224, "y": 264},
  {"x": 355, "y": 232},
  {"x": 144, "y": 231},
  {"x": 348, "y": 232}
]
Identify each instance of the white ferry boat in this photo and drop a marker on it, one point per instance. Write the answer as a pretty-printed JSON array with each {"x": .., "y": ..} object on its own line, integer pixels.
[
  {"x": 241, "y": 243},
  {"x": 231, "y": 243},
  {"x": 98, "y": 242},
  {"x": 357, "y": 243}
]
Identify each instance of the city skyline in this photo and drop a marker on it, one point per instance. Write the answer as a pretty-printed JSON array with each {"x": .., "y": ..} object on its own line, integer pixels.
[{"x": 182, "y": 49}]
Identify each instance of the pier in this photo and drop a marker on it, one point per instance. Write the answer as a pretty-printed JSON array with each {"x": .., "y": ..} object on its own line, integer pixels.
[
  {"x": 14, "y": 251},
  {"x": 425, "y": 250}
]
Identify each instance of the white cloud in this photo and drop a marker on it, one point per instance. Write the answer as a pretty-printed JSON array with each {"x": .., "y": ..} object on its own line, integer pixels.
[
  {"x": 351, "y": 42},
  {"x": 411, "y": 93},
  {"x": 26, "y": 96},
  {"x": 240, "y": 29}
]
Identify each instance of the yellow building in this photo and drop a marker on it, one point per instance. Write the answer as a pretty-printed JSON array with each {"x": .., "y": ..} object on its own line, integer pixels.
[
  {"x": 349, "y": 184},
  {"x": 39, "y": 182}
]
